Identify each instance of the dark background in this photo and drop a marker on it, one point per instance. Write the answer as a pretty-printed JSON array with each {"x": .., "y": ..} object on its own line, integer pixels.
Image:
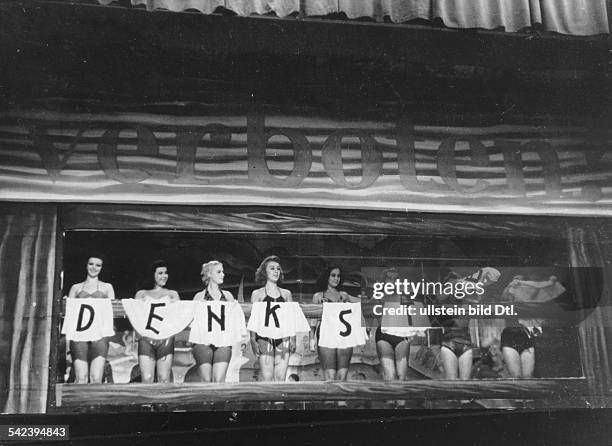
[{"x": 60, "y": 56}]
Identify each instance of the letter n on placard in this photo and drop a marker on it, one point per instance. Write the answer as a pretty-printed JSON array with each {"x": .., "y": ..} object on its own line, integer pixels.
[{"x": 219, "y": 318}]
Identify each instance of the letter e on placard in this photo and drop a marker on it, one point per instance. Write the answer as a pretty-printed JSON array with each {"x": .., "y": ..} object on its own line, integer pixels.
[{"x": 152, "y": 316}]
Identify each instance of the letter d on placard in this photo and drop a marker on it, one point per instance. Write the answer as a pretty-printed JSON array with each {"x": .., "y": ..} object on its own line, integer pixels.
[{"x": 80, "y": 326}]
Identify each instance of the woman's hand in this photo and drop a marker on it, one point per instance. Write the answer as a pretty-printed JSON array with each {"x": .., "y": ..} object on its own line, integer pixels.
[
  {"x": 254, "y": 344},
  {"x": 255, "y": 347}
]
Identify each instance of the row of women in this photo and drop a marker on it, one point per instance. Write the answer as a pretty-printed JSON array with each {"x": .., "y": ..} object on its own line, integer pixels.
[
  {"x": 212, "y": 349},
  {"x": 272, "y": 347}
]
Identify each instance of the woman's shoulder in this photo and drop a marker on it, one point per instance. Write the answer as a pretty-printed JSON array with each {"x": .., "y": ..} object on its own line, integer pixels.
[
  {"x": 106, "y": 285},
  {"x": 199, "y": 295},
  {"x": 344, "y": 296},
  {"x": 228, "y": 296},
  {"x": 284, "y": 292},
  {"x": 74, "y": 289},
  {"x": 317, "y": 297},
  {"x": 108, "y": 289},
  {"x": 140, "y": 294},
  {"x": 258, "y": 294},
  {"x": 76, "y": 286}
]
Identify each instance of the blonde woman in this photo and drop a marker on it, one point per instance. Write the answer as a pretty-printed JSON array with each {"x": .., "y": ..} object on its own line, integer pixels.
[{"x": 212, "y": 361}]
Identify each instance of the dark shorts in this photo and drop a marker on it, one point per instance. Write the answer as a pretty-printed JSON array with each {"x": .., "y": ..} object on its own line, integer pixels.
[
  {"x": 205, "y": 354},
  {"x": 391, "y": 339},
  {"x": 156, "y": 348},
  {"x": 517, "y": 338},
  {"x": 88, "y": 350},
  {"x": 458, "y": 345},
  {"x": 273, "y": 342}
]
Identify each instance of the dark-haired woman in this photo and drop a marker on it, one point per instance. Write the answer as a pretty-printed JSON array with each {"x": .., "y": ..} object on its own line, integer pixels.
[
  {"x": 273, "y": 353},
  {"x": 334, "y": 361},
  {"x": 212, "y": 360},
  {"x": 518, "y": 340},
  {"x": 456, "y": 350},
  {"x": 155, "y": 355},
  {"x": 393, "y": 335},
  {"x": 83, "y": 352}
]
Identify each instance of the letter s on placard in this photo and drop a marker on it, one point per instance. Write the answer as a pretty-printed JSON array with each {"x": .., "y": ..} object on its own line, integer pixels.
[{"x": 345, "y": 333}]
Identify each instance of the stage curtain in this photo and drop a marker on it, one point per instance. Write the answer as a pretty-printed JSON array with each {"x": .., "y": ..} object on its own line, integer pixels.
[
  {"x": 27, "y": 268},
  {"x": 578, "y": 17},
  {"x": 589, "y": 247},
  {"x": 512, "y": 15}
]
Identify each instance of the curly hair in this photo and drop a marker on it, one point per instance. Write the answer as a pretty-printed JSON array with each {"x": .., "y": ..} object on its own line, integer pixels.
[
  {"x": 323, "y": 279},
  {"x": 260, "y": 275},
  {"x": 207, "y": 268}
]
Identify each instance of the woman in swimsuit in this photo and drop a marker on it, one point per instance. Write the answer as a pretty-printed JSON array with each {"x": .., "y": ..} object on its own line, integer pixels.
[
  {"x": 335, "y": 361},
  {"x": 456, "y": 350},
  {"x": 212, "y": 361},
  {"x": 155, "y": 355},
  {"x": 96, "y": 351},
  {"x": 518, "y": 340},
  {"x": 273, "y": 354},
  {"x": 392, "y": 350}
]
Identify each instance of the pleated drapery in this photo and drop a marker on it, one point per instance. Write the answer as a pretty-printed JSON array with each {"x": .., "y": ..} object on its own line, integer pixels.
[
  {"x": 575, "y": 17},
  {"x": 27, "y": 268}
]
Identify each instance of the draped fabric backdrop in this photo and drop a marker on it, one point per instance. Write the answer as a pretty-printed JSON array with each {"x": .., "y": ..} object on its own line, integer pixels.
[
  {"x": 590, "y": 247},
  {"x": 578, "y": 17},
  {"x": 27, "y": 268}
]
